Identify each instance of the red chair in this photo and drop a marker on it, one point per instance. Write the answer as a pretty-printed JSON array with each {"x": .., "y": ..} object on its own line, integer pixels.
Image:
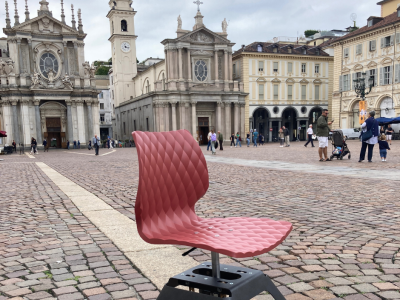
[{"x": 173, "y": 176}]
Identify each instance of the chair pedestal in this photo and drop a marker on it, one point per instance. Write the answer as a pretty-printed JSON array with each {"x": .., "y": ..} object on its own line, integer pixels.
[{"x": 235, "y": 283}]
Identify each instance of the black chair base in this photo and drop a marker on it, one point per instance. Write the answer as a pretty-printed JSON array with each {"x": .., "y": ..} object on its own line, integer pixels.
[{"x": 235, "y": 283}]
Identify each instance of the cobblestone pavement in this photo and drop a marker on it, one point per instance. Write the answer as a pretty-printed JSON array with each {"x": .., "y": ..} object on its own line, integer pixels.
[{"x": 346, "y": 236}]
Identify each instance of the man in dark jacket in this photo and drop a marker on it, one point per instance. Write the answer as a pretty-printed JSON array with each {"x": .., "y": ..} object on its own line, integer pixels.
[
  {"x": 45, "y": 146},
  {"x": 286, "y": 133},
  {"x": 220, "y": 140},
  {"x": 373, "y": 125},
  {"x": 323, "y": 134}
]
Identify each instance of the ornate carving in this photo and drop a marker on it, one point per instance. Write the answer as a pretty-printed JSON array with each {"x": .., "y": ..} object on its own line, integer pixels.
[
  {"x": 36, "y": 81},
  {"x": 6, "y": 67},
  {"x": 202, "y": 52},
  {"x": 67, "y": 82},
  {"x": 201, "y": 37}
]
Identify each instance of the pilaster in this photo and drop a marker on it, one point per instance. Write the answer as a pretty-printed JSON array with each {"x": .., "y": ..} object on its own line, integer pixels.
[
  {"x": 194, "y": 120},
  {"x": 173, "y": 105}
]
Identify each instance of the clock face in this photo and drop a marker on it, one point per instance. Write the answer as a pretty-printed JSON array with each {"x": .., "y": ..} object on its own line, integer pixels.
[{"x": 125, "y": 47}]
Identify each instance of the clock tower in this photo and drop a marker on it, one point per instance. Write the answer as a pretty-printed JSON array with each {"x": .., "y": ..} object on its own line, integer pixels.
[{"x": 123, "y": 48}]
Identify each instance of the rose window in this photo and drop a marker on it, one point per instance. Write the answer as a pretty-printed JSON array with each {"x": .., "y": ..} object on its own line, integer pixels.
[
  {"x": 200, "y": 70},
  {"x": 48, "y": 61}
]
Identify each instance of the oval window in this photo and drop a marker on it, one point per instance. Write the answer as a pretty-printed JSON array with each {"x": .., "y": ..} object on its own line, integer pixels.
[
  {"x": 201, "y": 70},
  {"x": 48, "y": 61}
]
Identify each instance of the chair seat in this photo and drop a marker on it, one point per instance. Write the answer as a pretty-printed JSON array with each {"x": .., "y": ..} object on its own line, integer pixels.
[{"x": 234, "y": 237}]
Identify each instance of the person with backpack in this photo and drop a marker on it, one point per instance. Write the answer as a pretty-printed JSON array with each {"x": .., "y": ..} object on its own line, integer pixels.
[
  {"x": 232, "y": 140},
  {"x": 238, "y": 140},
  {"x": 369, "y": 137},
  {"x": 255, "y": 137}
]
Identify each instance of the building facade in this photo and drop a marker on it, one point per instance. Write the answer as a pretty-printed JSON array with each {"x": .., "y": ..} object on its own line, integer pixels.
[
  {"x": 106, "y": 105},
  {"x": 374, "y": 50},
  {"x": 287, "y": 85},
  {"x": 192, "y": 88},
  {"x": 47, "y": 88}
]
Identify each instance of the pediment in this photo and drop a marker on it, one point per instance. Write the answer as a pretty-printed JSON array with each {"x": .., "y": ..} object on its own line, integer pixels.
[
  {"x": 202, "y": 36},
  {"x": 275, "y": 80},
  {"x": 45, "y": 24},
  {"x": 345, "y": 70},
  {"x": 304, "y": 81},
  {"x": 317, "y": 81},
  {"x": 372, "y": 64},
  {"x": 358, "y": 67},
  {"x": 290, "y": 80},
  {"x": 386, "y": 60},
  {"x": 261, "y": 79}
]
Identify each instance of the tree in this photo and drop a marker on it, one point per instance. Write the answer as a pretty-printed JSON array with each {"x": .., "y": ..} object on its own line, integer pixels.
[
  {"x": 110, "y": 61},
  {"x": 102, "y": 70},
  {"x": 310, "y": 32}
]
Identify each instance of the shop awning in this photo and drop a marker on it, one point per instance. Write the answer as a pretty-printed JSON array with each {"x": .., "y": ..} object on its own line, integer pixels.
[{"x": 3, "y": 134}]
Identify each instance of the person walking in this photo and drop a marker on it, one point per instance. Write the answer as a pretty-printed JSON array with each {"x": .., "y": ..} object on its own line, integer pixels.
[
  {"x": 209, "y": 141},
  {"x": 45, "y": 146},
  {"x": 79, "y": 144},
  {"x": 310, "y": 133},
  {"x": 369, "y": 125},
  {"x": 14, "y": 145},
  {"x": 286, "y": 133},
  {"x": 238, "y": 140},
  {"x": 213, "y": 141},
  {"x": 33, "y": 146},
  {"x": 232, "y": 138},
  {"x": 67, "y": 144},
  {"x": 389, "y": 133},
  {"x": 248, "y": 139},
  {"x": 74, "y": 144},
  {"x": 255, "y": 137},
  {"x": 96, "y": 144},
  {"x": 281, "y": 137},
  {"x": 323, "y": 134},
  {"x": 220, "y": 140},
  {"x": 383, "y": 147},
  {"x": 90, "y": 145}
]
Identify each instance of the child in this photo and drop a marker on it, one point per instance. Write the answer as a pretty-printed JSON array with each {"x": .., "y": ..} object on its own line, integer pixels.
[{"x": 383, "y": 147}]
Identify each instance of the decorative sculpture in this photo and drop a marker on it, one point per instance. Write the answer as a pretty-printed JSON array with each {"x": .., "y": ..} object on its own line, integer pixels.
[
  {"x": 179, "y": 22},
  {"x": 50, "y": 75},
  {"x": 36, "y": 79},
  {"x": 86, "y": 67},
  {"x": 9, "y": 68},
  {"x": 225, "y": 26},
  {"x": 66, "y": 80}
]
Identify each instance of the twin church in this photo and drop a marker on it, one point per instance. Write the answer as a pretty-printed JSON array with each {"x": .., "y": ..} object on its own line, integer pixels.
[{"x": 192, "y": 88}]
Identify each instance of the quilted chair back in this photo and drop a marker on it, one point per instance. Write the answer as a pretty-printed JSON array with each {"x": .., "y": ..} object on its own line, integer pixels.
[{"x": 173, "y": 176}]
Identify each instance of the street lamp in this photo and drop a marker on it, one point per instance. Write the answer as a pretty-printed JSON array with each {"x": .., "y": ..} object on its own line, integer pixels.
[{"x": 361, "y": 88}]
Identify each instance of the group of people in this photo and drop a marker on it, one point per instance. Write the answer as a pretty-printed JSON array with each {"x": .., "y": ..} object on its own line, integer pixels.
[{"x": 284, "y": 137}]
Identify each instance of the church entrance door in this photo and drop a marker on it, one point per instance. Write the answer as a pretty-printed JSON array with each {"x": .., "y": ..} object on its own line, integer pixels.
[
  {"x": 54, "y": 132},
  {"x": 204, "y": 129}
]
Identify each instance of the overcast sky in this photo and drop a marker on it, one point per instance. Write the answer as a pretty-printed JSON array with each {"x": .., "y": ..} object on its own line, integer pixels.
[{"x": 249, "y": 20}]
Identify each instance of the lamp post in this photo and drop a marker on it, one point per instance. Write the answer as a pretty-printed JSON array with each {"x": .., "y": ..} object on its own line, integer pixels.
[{"x": 361, "y": 88}]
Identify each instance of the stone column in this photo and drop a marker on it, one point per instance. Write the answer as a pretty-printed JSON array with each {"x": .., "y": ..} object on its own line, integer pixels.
[
  {"x": 216, "y": 67},
  {"x": 156, "y": 117},
  {"x": 270, "y": 132},
  {"x": 166, "y": 116},
  {"x": 25, "y": 122},
  {"x": 180, "y": 72},
  {"x": 20, "y": 62},
  {"x": 38, "y": 123},
  {"x": 242, "y": 120},
  {"x": 166, "y": 65},
  {"x": 230, "y": 66},
  {"x": 280, "y": 125},
  {"x": 226, "y": 75},
  {"x": 90, "y": 118},
  {"x": 194, "y": 118},
  {"x": 173, "y": 105},
  {"x": 219, "y": 118},
  {"x": 237, "y": 121},
  {"x": 189, "y": 66},
  {"x": 65, "y": 54},
  {"x": 8, "y": 121},
  {"x": 161, "y": 117},
  {"x": 182, "y": 113},
  {"x": 31, "y": 65},
  {"x": 81, "y": 122},
  {"x": 76, "y": 59},
  {"x": 228, "y": 127},
  {"x": 69, "y": 121},
  {"x": 15, "y": 124}
]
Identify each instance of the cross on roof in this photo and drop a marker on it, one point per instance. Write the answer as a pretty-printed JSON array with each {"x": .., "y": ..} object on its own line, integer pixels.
[{"x": 198, "y": 3}]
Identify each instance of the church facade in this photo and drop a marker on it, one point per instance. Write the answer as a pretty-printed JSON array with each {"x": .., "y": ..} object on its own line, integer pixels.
[
  {"x": 192, "y": 88},
  {"x": 47, "y": 87}
]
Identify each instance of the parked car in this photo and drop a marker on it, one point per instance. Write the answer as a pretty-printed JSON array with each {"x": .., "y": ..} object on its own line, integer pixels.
[{"x": 349, "y": 133}]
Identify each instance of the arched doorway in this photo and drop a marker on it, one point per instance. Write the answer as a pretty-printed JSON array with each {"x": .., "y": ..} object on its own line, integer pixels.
[
  {"x": 54, "y": 123},
  {"x": 315, "y": 113},
  {"x": 261, "y": 122},
  {"x": 354, "y": 120},
  {"x": 289, "y": 120}
]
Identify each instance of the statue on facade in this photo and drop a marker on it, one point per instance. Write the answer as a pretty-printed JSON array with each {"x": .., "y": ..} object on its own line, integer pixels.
[
  {"x": 86, "y": 67},
  {"x": 36, "y": 80},
  {"x": 224, "y": 26},
  {"x": 179, "y": 22},
  {"x": 66, "y": 80},
  {"x": 2, "y": 67},
  {"x": 50, "y": 75},
  {"x": 93, "y": 70},
  {"x": 9, "y": 68}
]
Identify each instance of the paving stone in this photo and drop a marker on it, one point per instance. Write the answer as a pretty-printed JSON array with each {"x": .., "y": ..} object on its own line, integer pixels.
[
  {"x": 18, "y": 292},
  {"x": 365, "y": 288},
  {"x": 319, "y": 294},
  {"x": 339, "y": 281},
  {"x": 117, "y": 287},
  {"x": 389, "y": 295},
  {"x": 74, "y": 296},
  {"x": 94, "y": 291},
  {"x": 38, "y": 296},
  {"x": 100, "y": 297},
  {"x": 300, "y": 287},
  {"x": 286, "y": 279},
  {"x": 123, "y": 294},
  {"x": 356, "y": 297},
  {"x": 65, "y": 290},
  {"x": 88, "y": 285},
  {"x": 343, "y": 290},
  {"x": 144, "y": 287},
  {"x": 297, "y": 296},
  {"x": 384, "y": 286}
]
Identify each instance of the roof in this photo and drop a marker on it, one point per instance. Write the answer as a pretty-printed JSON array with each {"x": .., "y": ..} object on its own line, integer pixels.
[
  {"x": 282, "y": 49},
  {"x": 383, "y": 2},
  {"x": 328, "y": 42},
  {"x": 390, "y": 19}
]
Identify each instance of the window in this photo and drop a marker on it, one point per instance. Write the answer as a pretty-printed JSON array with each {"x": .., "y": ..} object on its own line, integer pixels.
[
  {"x": 275, "y": 50},
  {"x": 370, "y": 23},
  {"x": 261, "y": 92},
  {"x": 124, "y": 127},
  {"x": 259, "y": 48},
  {"x": 317, "y": 52},
  {"x": 317, "y": 92},
  {"x": 124, "y": 26},
  {"x": 346, "y": 82},
  {"x": 387, "y": 41},
  {"x": 372, "y": 45},
  {"x": 200, "y": 70},
  {"x": 275, "y": 67},
  {"x": 316, "y": 69},
  {"x": 276, "y": 91},
  {"x": 387, "y": 75},
  {"x": 346, "y": 52},
  {"x": 101, "y": 95},
  {"x": 147, "y": 124},
  {"x": 290, "y": 92},
  {"x": 372, "y": 74},
  {"x": 303, "y": 68},
  {"x": 101, "y": 105},
  {"x": 303, "y": 92},
  {"x": 261, "y": 66},
  {"x": 359, "y": 49},
  {"x": 304, "y": 51},
  {"x": 48, "y": 62},
  {"x": 290, "y": 67},
  {"x": 290, "y": 50},
  {"x": 147, "y": 87},
  {"x": 102, "y": 118},
  {"x": 134, "y": 125}
]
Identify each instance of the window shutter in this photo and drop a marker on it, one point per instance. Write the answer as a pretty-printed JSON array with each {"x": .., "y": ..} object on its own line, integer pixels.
[
  {"x": 381, "y": 76},
  {"x": 373, "y": 45},
  {"x": 351, "y": 78},
  {"x": 341, "y": 83},
  {"x": 382, "y": 42},
  {"x": 391, "y": 40},
  {"x": 376, "y": 77},
  {"x": 396, "y": 73},
  {"x": 397, "y": 38},
  {"x": 391, "y": 75}
]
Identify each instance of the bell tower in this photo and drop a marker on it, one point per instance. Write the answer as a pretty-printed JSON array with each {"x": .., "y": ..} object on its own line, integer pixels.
[{"x": 123, "y": 48}]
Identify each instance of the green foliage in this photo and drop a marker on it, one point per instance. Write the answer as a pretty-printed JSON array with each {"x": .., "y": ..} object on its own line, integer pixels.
[
  {"x": 103, "y": 70},
  {"x": 354, "y": 28},
  {"x": 137, "y": 61},
  {"x": 310, "y": 32},
  {"x": 110, "y": 61}
]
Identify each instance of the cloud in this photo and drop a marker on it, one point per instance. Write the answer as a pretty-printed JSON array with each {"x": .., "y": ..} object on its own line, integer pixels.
[{"x": 249, "y": 20}]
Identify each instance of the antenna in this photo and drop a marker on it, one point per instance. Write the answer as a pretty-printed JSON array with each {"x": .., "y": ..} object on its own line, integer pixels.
[{"x": 353, "y": 17}]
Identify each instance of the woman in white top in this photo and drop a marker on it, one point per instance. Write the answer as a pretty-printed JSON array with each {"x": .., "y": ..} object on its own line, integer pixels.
[
  {"x": 310, "y": 133},
  {"x": 373, "y": 125}
]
